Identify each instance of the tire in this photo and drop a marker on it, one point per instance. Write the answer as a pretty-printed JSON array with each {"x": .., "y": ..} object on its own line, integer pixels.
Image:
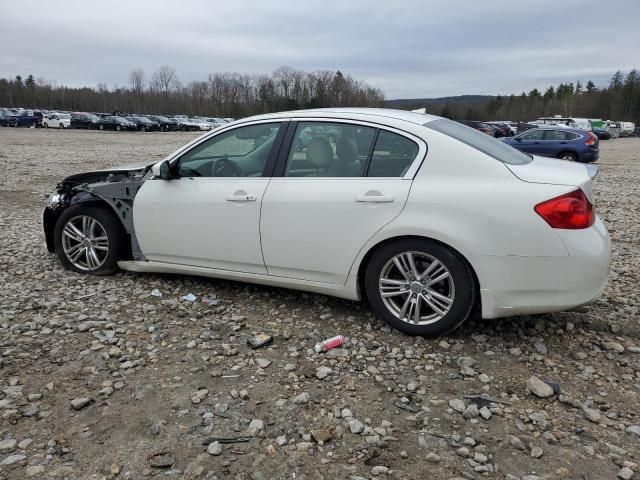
[
  {"x": 117, "y": 128},
  {"x": 569, "y": 156},
  {"x": 101, "y": 127},
  {"x": 459, "y": 287},
  {"x": 106, "y": 224},
  {"x": 62, "y": 126},
  {"x": 46, "y": 125}
]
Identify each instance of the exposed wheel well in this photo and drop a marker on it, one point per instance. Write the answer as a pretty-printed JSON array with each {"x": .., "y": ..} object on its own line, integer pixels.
[
  {"x": 50, "y": 219},
  {"x": 367, "y": 257}
]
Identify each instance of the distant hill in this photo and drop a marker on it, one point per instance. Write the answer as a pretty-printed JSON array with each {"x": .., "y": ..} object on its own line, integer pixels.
[{"x": 413, "y": 103}]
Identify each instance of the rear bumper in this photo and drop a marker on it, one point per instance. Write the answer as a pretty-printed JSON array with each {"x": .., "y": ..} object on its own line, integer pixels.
[
  {"x": 518, "y": 285},
  {"x": 590, "y": 156}
]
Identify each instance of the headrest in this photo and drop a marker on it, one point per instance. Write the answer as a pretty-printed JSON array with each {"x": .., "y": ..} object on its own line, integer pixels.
[
  {"x": 319, "y": 152},
  {"x": 346, "y": 150}
]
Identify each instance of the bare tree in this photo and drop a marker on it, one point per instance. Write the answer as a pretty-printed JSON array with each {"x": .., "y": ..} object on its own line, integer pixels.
[{"x": 136, "y": 82}]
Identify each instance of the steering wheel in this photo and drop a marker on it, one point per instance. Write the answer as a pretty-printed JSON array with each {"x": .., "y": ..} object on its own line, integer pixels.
[{"x": 225, "y": 167}]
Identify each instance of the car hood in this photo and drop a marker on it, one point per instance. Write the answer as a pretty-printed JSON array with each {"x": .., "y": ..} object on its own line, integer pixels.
[{"x": 104, "y": 174}]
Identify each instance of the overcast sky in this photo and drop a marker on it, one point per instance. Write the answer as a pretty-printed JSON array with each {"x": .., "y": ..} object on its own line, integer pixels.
[{"x": 412, "y": 48}]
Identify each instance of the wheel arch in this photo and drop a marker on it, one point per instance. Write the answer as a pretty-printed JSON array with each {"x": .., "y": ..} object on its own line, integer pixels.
[
  {"x": 567, "y": 150},
  {"x": 366, "y": 258},
  {"x": 50, "y": 218}
]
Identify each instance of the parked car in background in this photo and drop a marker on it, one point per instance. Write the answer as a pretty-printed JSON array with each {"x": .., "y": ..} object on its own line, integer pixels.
[
  {"x": 56, "y": 120},
  {"x": 202, "y": 124},
  {"x": 636, "y": 132},
  {"x": 386, "y": 220},
  {"x": 480, "y": 126},
  {"x": 88, "y": 121},
  {"x": 565, "y": 143},
  {"x": 502, "y": 129},
  {"x": 144, "y": 123},
  {"x": 627, "y": 128},
  {"x": 23, "y": 118},
  {"x": 571, "y": 122},
  {"x": 166, "y": 124},
  {"x": 601, "y": 133},
  {"x": 116, "y": 123},
  {"x": 191, "y": 125},
  {"x": 6, "y": 118}
]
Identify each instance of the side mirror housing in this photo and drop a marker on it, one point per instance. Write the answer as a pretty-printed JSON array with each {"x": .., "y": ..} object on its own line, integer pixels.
[
  {"x": 161, "y": 170},
  {"x": 518, "y": 139}
]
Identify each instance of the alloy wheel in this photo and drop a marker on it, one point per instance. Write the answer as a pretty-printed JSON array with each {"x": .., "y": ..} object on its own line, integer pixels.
[
  {"x": 85, "y": 242},
  {"x": 416, "y": 288}
]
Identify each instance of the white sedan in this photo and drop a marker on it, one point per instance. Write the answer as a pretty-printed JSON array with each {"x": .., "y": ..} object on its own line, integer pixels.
[
  {"x": 423, "y": 217},
  {"x": 56, "y": 120}
]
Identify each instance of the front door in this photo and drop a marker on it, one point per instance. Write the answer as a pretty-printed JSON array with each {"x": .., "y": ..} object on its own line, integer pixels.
[
  {"x": 336, "y": 190},
  {"x": 208, "y": 214}
]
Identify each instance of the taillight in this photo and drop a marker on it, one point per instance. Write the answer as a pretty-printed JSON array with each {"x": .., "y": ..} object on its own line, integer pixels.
[
  {"x": 571, "y": 211},
  {"x": 591, "y": 140}
]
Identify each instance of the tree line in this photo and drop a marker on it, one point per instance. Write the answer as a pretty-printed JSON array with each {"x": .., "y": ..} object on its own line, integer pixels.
[
  {"x": 619, "y": 101},
  {"x": 220, "y": 95}
]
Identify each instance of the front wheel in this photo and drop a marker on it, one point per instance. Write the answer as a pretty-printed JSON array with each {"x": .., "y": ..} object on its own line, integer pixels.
[
  {"x": 89, "y": 240},
  {"x": 420, "y": 287}
]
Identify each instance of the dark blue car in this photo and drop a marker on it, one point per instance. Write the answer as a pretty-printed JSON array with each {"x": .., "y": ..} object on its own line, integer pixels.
[{"x": 565, "y": 143}]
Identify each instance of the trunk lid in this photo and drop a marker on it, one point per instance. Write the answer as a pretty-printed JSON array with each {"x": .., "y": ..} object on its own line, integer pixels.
[{"x": 553, "y": 171}]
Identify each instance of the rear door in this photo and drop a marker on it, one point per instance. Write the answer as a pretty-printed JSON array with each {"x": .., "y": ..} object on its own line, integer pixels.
[
  {"x": 532, "y": 142},
  {"x": 331, "y": 193}
]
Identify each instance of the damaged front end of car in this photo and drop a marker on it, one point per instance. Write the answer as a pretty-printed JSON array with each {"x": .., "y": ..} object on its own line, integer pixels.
[{"x": 114, "y": 189}]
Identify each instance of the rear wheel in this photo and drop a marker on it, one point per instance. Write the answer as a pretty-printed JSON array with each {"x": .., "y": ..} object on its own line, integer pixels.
[
  {"x": 117, "y": 128},
  {"x": 89, "y": 239},
  {"x": 101, "y": 127},
  {"x": 570, "y": 156},
  {"x": 62, "y": 126},
  {"x": 420, "y": 287},
  {"x": 46, "y": 125}
]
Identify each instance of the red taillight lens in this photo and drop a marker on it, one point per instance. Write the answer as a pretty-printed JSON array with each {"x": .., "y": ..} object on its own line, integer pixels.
[
  {"x": 591, "y": 140},
  {"x": 571, "y": 211}
]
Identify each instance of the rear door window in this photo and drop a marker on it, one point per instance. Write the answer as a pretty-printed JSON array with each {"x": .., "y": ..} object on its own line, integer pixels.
[
  {"x": 392, "y": 156},
  {"x": 555, "y": 135},
  {"x": 327, "y": 149}
]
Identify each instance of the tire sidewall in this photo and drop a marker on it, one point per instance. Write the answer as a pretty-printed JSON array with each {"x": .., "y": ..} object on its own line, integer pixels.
[
  {"x": 113, "y": 230},
  {"x": 465, "y": 289}
]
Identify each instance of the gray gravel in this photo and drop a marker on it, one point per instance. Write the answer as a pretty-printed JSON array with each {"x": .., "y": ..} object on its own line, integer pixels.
[{"x": 100, "y": 379}]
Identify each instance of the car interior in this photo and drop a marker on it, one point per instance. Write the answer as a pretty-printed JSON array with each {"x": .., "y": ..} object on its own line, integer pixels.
[
  {"x": 242, "y": 152},
  {"x": 342, "y": 150},
  {"x": 318, "y": 150}
]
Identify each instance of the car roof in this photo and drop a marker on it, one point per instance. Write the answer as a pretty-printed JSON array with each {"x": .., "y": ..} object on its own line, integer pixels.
[
  {"x": 560, "y": 129},
  {"x": 372, "y": 114}
]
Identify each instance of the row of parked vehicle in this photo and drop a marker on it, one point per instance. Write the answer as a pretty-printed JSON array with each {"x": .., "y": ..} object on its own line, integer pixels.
[{"x": 117, "y": 121}]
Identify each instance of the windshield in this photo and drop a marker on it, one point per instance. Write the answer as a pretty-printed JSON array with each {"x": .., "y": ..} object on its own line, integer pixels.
[
  {"x": 64, "y": 116},
  {"x": 480, "y": 141}
]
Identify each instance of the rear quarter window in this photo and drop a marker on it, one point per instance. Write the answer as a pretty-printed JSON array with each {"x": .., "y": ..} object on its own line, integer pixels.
[{"x": 480, "y": 141}]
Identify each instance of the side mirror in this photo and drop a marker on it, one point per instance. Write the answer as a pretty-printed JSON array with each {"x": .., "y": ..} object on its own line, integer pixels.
[
  {"x": 161, "y": 170},
  {"x": 518, "y": 139}
]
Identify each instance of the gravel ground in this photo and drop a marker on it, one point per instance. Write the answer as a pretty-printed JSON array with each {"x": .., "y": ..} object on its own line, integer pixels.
[{"x": 100, "y": 379}]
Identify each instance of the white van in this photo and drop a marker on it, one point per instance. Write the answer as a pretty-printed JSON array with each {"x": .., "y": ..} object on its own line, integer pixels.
[
  {"x": 626, "y": 128},
  {"x": 572, "y": 122}
]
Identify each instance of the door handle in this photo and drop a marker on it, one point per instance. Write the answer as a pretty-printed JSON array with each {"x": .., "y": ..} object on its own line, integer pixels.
[
  {"x": 374, "y": 198},
  {"x": 241, "y": 198}
]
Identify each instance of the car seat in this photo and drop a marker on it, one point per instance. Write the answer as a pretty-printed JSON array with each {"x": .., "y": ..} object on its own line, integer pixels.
[{"x": 347, "y": 164}]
